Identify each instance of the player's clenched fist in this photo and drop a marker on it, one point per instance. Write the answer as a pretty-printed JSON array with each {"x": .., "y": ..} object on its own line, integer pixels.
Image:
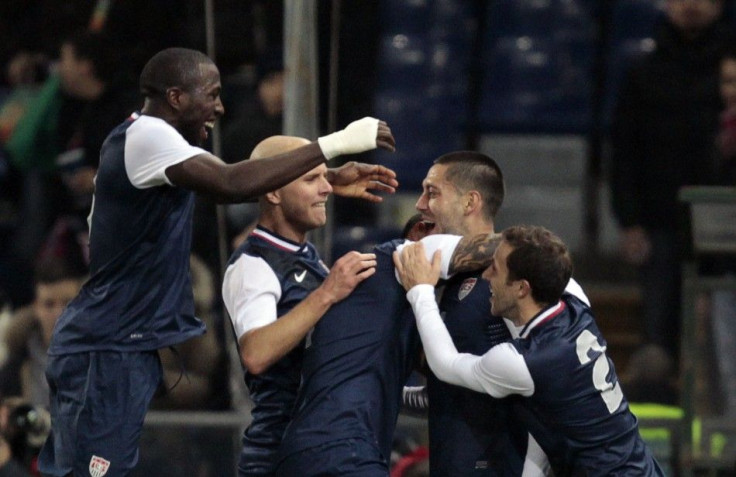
[{"x": 359, "y": 136}]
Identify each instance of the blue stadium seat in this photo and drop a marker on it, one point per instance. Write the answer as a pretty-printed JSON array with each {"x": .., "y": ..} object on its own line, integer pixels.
[
  {"x": 635, "y": 18},
  {"x": 538, "y": 66},
  {"x": 537, "y": 84},
  {"x": 422, "y": 81}
]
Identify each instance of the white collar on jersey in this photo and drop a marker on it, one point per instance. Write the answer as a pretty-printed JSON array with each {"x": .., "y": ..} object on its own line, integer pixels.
[
  {"x": 543, "y": 317},
  {"x": 278, "y": 241}
]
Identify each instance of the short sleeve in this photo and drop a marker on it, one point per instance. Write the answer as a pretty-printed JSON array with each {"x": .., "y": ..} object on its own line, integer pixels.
[
  {"x": 151, "y": 146},
  {"x": 251, "y": 292}
]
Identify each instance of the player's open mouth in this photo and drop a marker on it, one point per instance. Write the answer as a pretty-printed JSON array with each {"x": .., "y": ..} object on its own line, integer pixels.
[
  {"x": 206, "y": 129},
  {"x": 429, "y": 226}
]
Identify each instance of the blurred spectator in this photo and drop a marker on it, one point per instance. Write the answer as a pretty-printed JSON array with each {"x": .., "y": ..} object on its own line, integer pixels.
[
  {"x": 30, "y": 35},
  {"x": 726, "y": 143},
  {"x": 723, "y": 302},
  {"x": 260, "y": 114},
  {"x": 662, "y": 133},
  {"x": 86, "y": 99},
  {"x": 28, "y": 333},
  {"x": 56, "y": 144},
  {"x": 23, "y": 428}
]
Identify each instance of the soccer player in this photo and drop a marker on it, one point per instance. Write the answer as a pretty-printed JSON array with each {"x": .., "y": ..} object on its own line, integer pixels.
[
  {"x": 103, "y": 366},
  {"x": 276, "y": 288},
  {"x": 469, "y": 432},
  {"x": 558, "y": 363},
  {"x": 356, "y": 362}
]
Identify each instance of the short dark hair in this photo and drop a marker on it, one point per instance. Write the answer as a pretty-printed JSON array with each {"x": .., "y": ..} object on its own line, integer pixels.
[
  {"x": 97, "y": 48},
  {"x": 471, "y": 170},
  {"x": 413, "y": 220},
  {"x": 541, "y": 258},
  {"x": 172, "y": 67}
]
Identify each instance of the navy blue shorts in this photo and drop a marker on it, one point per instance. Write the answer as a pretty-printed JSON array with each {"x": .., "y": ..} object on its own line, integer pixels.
[
  {"x": 98, "y": 402},
  {"x": 347, "y": 457}
]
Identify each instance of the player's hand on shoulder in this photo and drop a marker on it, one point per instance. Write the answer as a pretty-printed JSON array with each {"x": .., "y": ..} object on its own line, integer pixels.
[
  {"x": 413, "y": 267},
  {"x": 347, "y": 272}
]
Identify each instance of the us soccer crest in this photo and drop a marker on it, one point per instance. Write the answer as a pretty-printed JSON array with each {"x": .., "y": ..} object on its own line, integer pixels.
[
  {"x": 466, "y": 287},
  {"x": 98, "y": 466}
]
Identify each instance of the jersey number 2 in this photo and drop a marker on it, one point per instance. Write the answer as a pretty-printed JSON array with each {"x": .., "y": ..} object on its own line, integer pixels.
[{"x": 610, "y": 392}]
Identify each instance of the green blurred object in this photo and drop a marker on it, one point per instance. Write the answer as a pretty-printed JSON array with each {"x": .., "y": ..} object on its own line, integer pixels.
[{"x": 32, "y": 143}]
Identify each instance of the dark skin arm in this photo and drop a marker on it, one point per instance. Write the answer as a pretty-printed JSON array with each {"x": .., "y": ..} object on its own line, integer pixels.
[{"x": 246, "y": 180}]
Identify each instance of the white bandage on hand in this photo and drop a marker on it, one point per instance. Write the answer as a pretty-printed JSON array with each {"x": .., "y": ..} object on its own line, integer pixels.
[{"x": 358, "y": 136}]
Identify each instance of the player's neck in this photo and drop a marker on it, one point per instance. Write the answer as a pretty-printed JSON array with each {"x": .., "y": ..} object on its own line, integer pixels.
[
  {"x": 528, "y": 309},
  {"x": 474, "y": 225},
  {"x": 477, "y": 229},
  {"x": 283, "y": 229}
]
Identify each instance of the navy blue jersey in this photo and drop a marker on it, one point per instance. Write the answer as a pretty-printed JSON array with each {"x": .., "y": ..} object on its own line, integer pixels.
[
  {"x": 586, "y": 426},
  {"x": 139, "y": 294},
  {"x": 361, "y": 353},
  {"x": 298, "y": 271},
  {"x": 470, "y": 433}
]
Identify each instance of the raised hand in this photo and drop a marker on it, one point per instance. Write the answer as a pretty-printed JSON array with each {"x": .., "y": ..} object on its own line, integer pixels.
[
  {"x": 359, "y": 136},
  {"x": 384, "y": 138},
  {"x": 356, "y": 179}
]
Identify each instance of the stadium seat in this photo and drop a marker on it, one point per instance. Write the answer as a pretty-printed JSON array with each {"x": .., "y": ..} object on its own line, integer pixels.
[{"x": 536, "y": 84}]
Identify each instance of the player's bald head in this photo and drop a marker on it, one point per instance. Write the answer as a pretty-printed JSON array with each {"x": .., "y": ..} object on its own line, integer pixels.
[
  {"x": 172, "y": 67},
  {"x": 276, "y": 145}
]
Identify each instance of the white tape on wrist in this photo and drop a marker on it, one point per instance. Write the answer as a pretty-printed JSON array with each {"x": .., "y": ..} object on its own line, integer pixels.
[{"x": 358, "y": 136}]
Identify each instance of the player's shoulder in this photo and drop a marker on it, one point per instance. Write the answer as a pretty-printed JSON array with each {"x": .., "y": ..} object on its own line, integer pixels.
[
  {"x": 388, "y": 247},
  {"x": 151, "y": 129}
]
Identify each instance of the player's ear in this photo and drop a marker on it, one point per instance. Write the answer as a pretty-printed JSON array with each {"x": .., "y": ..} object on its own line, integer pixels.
[
  {"x": 525, "y": 289},
  {"x": 274, "y": 198},
  {"x": 175, "y": 96},
  {"x": 472, "y": 201}
]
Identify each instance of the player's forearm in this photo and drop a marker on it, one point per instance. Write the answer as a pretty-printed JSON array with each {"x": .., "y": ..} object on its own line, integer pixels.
[
  {"x": 245, "y": 180},
  {"x": 250, "y": 179},
  {"x": 262, "y": 347}
]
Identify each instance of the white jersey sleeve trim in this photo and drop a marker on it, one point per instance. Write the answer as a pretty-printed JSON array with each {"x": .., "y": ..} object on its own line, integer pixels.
[
  {"x": 444, "y": 243},
  {"x": 251, "y": 292},
  {"x": 499, "y": 372},
  {"x": 151, "y": 146}
]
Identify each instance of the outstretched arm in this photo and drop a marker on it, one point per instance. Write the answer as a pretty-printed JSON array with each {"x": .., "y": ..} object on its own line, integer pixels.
[
  {"x": 356, "y": 179},
  {"x": 245, "y": 180}
]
